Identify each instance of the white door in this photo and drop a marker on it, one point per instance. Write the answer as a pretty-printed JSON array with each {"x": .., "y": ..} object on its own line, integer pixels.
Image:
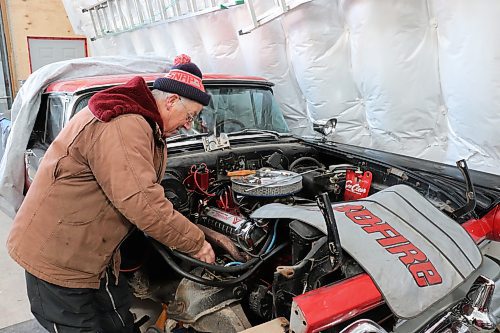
[{"x": 43, "y": 51}]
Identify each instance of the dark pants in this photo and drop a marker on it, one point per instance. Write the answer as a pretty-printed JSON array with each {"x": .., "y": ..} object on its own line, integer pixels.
[{"x": 74, "y": 310}]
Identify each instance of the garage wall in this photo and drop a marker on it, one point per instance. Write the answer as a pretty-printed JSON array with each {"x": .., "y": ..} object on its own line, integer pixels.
[
  {"x": 45, "y": 18},
  {"x": 414, "y": 77}
]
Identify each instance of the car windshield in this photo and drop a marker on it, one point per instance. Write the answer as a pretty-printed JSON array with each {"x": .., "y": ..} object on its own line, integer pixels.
[{"x": 233, "y": 109}]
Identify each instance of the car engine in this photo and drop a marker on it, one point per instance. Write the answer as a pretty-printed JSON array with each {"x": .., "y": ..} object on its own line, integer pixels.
[{"x": 261, "y": 264}]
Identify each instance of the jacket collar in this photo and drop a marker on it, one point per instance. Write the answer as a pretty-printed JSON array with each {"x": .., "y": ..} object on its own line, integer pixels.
[{"x": 133, "y": 97}]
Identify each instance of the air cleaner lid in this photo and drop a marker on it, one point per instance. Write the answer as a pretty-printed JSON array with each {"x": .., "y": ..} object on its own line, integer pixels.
[{"x": 268, "y": 182}]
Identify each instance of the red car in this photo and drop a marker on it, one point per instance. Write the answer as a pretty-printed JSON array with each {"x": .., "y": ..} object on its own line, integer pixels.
[{"x": 310, "y": 235}]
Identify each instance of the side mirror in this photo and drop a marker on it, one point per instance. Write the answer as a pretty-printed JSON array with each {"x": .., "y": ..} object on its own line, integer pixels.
[
  {"x": 363, "y": 326},
  {"x": 325, "y": 126}
]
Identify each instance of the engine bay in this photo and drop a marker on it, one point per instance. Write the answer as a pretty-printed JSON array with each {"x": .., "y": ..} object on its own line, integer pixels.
[{"x": 261, "y": 264}]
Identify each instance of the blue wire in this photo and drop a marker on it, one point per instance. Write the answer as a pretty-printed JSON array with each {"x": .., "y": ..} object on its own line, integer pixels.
[
  {"x": 233, "y": 263},
  {"x": 273, "y": 239}
]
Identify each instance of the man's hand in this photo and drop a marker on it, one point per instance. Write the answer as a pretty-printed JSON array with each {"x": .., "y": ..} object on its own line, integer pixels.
[{"x": 205, "y": 254}]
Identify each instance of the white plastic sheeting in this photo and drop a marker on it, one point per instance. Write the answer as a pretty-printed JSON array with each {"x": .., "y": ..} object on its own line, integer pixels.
[
  {"x": 27, "y": 103},
  {"x": 414, "y": 77}
]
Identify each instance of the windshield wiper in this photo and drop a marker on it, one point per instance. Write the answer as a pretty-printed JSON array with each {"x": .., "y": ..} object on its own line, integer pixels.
[
  {"x": 258, "y": 131},
  {"x": 185, "y": 137}
]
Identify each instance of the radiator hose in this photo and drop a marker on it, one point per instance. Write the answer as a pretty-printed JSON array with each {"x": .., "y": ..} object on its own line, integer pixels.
[{"x": 222, "y": 283}]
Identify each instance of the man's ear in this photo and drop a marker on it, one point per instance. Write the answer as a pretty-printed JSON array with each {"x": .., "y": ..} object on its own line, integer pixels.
[{"x": 171, "y": 100}]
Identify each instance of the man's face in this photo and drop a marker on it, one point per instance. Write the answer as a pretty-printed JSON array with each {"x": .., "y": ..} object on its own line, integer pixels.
[{"x": 178, "y": 112}]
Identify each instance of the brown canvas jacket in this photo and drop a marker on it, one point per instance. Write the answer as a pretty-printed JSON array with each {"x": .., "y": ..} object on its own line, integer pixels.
[{"x": 96, "y": 181}]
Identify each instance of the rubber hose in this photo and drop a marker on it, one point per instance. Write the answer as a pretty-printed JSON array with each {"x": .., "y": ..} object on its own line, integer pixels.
[
  {"x": 222, "y": 269},
  {"x": 220, "y": 284}
]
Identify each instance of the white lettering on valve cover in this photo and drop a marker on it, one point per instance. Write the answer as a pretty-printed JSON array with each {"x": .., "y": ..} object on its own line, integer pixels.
[{"x": 354, "y": 187}]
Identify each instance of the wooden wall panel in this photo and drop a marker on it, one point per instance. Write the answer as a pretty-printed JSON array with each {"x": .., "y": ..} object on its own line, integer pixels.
[{"x": 45, "y": 18}]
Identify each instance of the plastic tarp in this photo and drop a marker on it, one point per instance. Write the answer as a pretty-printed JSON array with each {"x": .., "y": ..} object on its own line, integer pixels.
[
  {"x": 415, "y": 77},
  {"x": 4, "y": 133},
  {"x": 27, "y": 102}
]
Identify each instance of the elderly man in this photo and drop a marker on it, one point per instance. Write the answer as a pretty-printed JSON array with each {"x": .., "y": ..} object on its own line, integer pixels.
[{"x": 97, "y": 182}]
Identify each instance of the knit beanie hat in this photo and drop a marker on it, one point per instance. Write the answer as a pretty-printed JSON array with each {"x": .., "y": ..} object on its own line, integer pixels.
[{"x": 184, "y": 79}]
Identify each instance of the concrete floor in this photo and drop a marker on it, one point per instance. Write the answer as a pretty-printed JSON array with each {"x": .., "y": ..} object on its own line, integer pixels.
[
  {"x": 14, "y": 305},
  {"x": 30, "y": 326},
  {"x": 15, "y": 314}
]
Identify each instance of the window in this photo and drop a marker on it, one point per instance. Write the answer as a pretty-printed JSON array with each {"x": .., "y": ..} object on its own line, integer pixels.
[
  {"x": 231, "y": 109},
  {"x": 234, "y": 109},
  {"x": 83, "y": 102},
  {"x": 55, "y": 117}
]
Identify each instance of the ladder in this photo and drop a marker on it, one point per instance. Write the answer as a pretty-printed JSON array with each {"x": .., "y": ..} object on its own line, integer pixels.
[
  {"x": 110, "y": 17},
  {"x": 280, "y": 8}
]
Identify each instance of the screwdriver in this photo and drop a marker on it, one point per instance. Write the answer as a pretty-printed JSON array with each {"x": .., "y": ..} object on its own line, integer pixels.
[{"x": 240, "y": 173}]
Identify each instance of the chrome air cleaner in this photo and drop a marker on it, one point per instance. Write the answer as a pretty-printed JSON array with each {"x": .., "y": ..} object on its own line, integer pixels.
[{"x": 268, "y": 183}]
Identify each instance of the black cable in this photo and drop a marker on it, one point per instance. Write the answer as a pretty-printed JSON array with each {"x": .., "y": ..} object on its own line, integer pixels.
[
  {"x": 216, "y": 268},
  {"x": 274, "y": 308},
  {"x": 222, "y": 269},
  {"x": 217, "y": 185},
  {"x": 221, "y": 284}
]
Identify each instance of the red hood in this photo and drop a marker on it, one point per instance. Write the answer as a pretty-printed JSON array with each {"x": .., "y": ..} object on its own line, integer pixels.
[{"x": 133, "y": 97}]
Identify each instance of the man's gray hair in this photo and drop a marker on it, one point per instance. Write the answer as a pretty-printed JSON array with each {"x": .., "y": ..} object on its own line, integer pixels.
[{"x": 160, "y": 94}]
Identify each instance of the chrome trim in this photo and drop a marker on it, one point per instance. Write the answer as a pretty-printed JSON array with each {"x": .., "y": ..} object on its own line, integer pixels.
[
  {"x": 439, "y": 323},
  {"x": 325, "y": 126},
  {"x": 472, "y": 313},
  {"x": 363, "y": 326},
  {"x": 475, "y": 309},
  {"x": 189, "y": 141}
]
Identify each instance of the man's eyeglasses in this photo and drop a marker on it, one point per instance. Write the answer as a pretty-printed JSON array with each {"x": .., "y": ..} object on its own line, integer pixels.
[{"x": 189, "y": 117}]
